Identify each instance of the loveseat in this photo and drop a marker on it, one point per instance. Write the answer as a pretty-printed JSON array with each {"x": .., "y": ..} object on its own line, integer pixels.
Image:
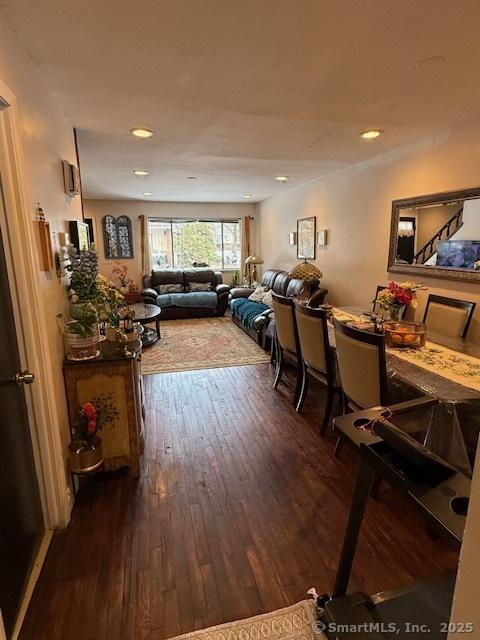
[
  {"x": 192, "y": 293},
  {"x": 254, "y": 317}
]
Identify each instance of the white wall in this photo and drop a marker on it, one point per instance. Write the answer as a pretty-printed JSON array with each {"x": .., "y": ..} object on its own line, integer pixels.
[
  {"x": 355, "y": 204},
  {"x": 465, "y": 606},
  {"x": 471, "y": 222},
  {"x": 96, "y": 209},
  {"x": 47, "y": 138}
]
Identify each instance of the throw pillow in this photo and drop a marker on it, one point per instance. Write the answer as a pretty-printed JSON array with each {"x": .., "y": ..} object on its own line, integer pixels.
[
  {"x": 169, "y": 288},
  {"x": 200, "y": 286},
  {"x": 268, "y": 299},
  {"x": 258, "y": 294}
]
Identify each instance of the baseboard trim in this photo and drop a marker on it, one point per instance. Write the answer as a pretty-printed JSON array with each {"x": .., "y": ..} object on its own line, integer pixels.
[{"x": 32, "y": 581}]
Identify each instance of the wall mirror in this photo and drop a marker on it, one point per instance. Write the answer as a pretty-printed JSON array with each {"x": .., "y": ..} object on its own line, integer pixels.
[{"x": 437, "y": 235}]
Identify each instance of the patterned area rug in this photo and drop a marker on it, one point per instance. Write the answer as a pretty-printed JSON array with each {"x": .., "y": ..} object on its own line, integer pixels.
[
  {"x": 201, "y": 343},
  {"x": 291, "y": 623}
]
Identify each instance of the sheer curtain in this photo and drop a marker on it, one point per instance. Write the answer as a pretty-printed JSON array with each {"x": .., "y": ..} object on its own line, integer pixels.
[{"x": 145, "y": 243}]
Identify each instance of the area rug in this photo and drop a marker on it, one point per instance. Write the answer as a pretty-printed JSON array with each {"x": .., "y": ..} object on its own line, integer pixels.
[
  {"x": 292, "y": 623},
  {"x": 201, "y": 343}
]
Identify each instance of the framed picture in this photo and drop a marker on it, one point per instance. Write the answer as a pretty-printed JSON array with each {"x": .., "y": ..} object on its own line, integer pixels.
[
  {"x": 89, "y": 221},
  {"x": 322, "y": 237},
  {"x": 306, "y": 233}
]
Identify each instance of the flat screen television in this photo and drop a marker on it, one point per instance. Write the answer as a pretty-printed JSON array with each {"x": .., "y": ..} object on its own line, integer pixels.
[{"x": 460, "y": 254}]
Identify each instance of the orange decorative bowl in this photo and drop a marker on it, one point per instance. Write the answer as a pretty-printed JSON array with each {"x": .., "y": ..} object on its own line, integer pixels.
[{"x": 404, "y": 335}]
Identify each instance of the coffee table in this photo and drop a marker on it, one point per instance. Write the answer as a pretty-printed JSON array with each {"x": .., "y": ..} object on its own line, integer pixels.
[{"x": 145, "y": 314}]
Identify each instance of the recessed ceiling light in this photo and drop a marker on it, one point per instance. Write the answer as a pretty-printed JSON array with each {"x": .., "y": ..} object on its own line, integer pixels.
[
  {"x": 282, "y": 178},
  {"x": 140, "y": 172},
  {"x": 371, "y": 134},
  {"x": 247, "y": 196},
  {"x": 147, "y": 193},
  {"x": 141, "y": 132},
  {"x": 191, "y": 177}
]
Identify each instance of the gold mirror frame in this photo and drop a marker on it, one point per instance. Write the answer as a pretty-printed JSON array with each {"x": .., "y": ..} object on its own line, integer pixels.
[{"x": 448, "y": 273}]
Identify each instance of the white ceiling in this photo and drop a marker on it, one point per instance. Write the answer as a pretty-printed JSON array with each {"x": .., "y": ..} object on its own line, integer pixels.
[{"x": 239, "y": 91}]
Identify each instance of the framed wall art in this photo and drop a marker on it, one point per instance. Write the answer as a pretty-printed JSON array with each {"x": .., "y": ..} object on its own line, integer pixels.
[
  {"x": 306, "y": 234},
  {"x": 117, "y": 237}
]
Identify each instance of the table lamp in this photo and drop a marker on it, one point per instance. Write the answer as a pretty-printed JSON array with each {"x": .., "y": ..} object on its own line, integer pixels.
[
  {"x": 251, "y": 267},
  {"x": 309, "y": 273}
]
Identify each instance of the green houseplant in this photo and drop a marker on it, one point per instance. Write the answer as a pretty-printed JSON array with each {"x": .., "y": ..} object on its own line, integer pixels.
[
  {"x": 93, "y": 299},
  {"x": 81, "y": 330}
]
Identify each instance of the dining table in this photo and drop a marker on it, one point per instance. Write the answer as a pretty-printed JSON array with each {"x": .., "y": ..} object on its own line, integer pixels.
[{"x": 447, "y": 369}]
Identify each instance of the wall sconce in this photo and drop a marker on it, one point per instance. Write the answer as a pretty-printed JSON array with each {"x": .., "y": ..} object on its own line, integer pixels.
[
  {"x": 322, "y": 237},
  {"x": 293, "y": 238}
]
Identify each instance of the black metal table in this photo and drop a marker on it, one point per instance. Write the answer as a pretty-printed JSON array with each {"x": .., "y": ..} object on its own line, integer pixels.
[
  {"x": 146, "y": 314},
  {"x": 427, "y": 604}
]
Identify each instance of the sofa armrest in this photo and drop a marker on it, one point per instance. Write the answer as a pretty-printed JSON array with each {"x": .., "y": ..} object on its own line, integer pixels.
[
  {"x": 222, "y": 288},
  {"x": 222, "y": 291},
  {"x": 318, "y": 297},
  {"x": 240, "y": 292},
  {"x": 149, "y": 294},
  {"x": 262, "y": 320}
]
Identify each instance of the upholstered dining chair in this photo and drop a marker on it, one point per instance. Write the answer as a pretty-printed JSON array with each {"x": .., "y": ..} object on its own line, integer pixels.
[
  {"x": 287, "y": 344},
  {"x": 317, "y": 359},
  {"x": 362, "y": 368},
  {"x": 448, "y": 316},
  {"x": 375, "y": 307}
]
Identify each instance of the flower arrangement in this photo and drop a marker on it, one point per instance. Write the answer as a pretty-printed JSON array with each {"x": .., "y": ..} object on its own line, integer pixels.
[
  {"x": 396, "y": 296},
  {"x": 120, "y": 272},
  {"x": 87, "y": 425},
  {"x": 92, "y": 295},
  {"x": 109, "y": 297},
  {"x": 83, "y": 268}
]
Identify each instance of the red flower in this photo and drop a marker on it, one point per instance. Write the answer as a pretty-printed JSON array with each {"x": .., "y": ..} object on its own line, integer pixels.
[
  {"x": 89, "y": 410},
  {"x": 91, "y": 426},
  {"x": 402, "y": 296}
]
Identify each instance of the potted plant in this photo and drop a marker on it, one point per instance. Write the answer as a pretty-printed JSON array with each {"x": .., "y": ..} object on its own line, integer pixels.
[
  {"x": 81, "y": 333},
  {"x": 120, "y": 271},
  {"x": 110, "y": 301},
  {"x": 235, "y": 279},
  {"x": 86, "y": 450},
  {"x": 81, "y": 330}
]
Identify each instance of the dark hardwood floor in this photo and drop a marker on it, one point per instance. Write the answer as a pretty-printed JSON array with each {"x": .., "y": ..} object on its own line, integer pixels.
[{"x": 240, "y": 508}]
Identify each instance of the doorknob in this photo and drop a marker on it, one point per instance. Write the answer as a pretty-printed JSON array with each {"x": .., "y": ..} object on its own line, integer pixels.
[{"x": 24, "y": 377}]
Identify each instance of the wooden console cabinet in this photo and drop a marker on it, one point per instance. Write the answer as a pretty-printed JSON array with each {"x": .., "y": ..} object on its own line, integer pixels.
[{"x": 115, "y": 381}]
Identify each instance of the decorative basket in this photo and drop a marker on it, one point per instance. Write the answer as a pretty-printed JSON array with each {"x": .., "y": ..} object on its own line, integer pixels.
[
  {"x": 405, "y": 335},
  {"x": 79, "y": 348}
]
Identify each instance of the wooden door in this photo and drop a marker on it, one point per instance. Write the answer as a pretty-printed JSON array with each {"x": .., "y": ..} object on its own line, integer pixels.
[{"x": 21, "y": 521}]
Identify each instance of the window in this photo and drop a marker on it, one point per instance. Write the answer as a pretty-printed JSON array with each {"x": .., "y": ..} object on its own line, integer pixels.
[
  {"x": 406, "y": 228},
  {"x": 117, "y": 237},
  {"x": 188, "y": 243}
]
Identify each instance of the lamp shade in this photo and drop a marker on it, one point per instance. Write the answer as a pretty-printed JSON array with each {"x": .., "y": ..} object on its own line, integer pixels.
[
  {"x": 305, "y": 271},
  {"x": 254, "y": 260}
]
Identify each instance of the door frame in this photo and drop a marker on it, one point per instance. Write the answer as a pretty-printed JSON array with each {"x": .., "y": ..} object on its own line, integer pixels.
[{"x": 19, "y": 241}]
